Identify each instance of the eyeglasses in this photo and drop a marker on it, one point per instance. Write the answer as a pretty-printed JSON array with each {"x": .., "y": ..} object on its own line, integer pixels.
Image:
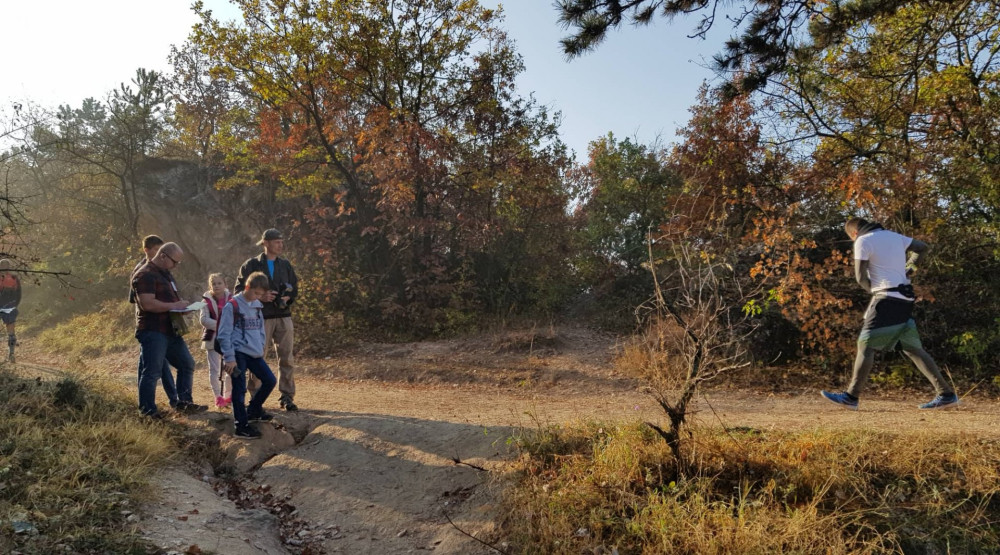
[{"x": 176, "y": 263}]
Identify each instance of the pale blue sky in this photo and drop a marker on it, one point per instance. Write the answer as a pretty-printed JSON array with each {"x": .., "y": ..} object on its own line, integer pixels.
[{"x": 639, "y": 83}]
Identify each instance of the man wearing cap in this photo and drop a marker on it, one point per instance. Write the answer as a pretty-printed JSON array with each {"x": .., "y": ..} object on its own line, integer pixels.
[
  {"x": 284, "y": 287},
  {"x": 10, "y": 297}
]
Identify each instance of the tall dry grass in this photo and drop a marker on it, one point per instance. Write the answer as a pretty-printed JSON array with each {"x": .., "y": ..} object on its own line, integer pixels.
[
  {"x": 595, "y": 489},
  {"x": 75, "y": 460},
  {"x": 109, "y": 329}
]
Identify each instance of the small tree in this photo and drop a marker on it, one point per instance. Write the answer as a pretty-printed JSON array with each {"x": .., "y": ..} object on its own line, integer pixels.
[
  {"x": 696, "y": 328},
  {"x": 103, "y": 146}
]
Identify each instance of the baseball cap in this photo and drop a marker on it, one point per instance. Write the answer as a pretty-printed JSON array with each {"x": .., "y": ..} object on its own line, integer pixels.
[{"x": 269, "y": 235}]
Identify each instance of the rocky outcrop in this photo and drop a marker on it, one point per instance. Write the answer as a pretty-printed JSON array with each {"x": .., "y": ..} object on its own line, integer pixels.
[{"x": 218, "y": 229}]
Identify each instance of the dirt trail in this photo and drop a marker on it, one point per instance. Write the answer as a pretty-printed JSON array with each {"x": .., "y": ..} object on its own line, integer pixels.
[
  {"x": 370, "y": 464},
  {"x": 380, "y": 462}
]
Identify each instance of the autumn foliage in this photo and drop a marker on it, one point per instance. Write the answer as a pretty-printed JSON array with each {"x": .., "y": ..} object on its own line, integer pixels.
[
  {"x": 423, "y": 193},
  {"x": 434, "y": 189}
]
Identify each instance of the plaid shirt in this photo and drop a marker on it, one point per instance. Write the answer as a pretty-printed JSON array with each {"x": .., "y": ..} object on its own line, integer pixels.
[
  {"x": 131, "y": 291},
  {"x": 150, "y": 278}
]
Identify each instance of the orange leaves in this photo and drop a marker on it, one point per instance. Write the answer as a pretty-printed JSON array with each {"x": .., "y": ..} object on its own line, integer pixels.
[{"x": 856, "y": 189}]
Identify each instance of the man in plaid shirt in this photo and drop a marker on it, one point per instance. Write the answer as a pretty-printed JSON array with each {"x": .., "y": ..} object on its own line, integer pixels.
[
  {"x": 156, "y": 295},
  {"x": 150, "y": 245}
]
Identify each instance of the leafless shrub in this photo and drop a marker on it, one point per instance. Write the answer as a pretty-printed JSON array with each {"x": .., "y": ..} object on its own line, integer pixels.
[{"x": 696, "y": 327}]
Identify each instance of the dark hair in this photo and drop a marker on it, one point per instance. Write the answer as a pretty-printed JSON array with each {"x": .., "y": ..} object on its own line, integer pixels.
[
  {"x": 258, "y": 280},
  {"x": 151, "y": 241}
]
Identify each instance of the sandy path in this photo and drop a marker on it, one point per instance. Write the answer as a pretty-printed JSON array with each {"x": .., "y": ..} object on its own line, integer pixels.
[
  {"x": 481, "y": 408},
  {"x": 380, "y": 461},
  {"x": 378, "y": 466}
]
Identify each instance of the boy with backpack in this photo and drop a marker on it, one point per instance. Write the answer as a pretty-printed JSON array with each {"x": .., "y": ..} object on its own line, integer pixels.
[{"x": 241, "y": 340}]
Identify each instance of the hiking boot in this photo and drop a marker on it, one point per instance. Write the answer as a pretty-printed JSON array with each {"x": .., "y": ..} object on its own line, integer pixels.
[
  {"x": 154, "y": 416},
  {"x": 941, "y": 402},
  {"x": 262, "y": 417},
  {"x": 247, "y": 432},
  {"x": 190, "y": 408},
  {"x": 843, "y": 399},
  {"x": 288, "y": 405}
]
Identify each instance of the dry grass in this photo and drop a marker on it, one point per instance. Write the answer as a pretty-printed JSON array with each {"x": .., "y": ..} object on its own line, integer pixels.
[
  {"x": 591, "y": 489},
  {"x": 525, "y": 340},
  {"x": 75, "y": 460},
  {"x": 644, "y": 357},
  {"x": 109, "y": 330}
]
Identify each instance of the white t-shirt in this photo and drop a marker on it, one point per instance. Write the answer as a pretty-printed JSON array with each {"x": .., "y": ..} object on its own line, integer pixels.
[{"x": 885, "y": 252}]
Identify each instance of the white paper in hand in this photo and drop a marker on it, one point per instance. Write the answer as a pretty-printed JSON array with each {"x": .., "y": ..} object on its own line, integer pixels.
[{"x": 191, "y": 307}]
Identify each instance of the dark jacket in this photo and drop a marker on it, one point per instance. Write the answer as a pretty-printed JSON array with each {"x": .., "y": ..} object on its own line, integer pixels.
[
  {"x": 283, "y": 274},
  {"x": 131, "y": 292}
]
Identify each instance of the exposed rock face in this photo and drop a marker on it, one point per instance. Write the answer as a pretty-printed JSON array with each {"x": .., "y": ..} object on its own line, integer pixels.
[{"x": 218, "y": 229}]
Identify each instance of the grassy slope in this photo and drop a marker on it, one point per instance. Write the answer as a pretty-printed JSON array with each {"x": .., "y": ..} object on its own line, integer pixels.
[
  {"x": 108, "y": 330},
  {"x": 75, "y": 459}
]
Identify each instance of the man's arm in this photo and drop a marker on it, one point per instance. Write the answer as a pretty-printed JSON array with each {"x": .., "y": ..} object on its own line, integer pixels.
[
  {"x": 861, "y": 274},
  {"x": 241, "y": 278},
  {"x": 145, "y": 295},
  {"x": 914, "y": 253},
  {"x": 131, "y": 277},
  {"x": 225, "y": 333},
  {"x": 149, "y": 303},
  {"x": 293, "y": 280}
]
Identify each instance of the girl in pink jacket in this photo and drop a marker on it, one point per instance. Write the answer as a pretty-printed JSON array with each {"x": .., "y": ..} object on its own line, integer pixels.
[{"x": 215, "y": 298}]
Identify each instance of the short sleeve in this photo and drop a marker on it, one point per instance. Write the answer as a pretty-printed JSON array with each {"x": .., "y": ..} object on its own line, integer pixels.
[
  {"x": 861, "y": 249},
  {"x": 144, "y": 283}
]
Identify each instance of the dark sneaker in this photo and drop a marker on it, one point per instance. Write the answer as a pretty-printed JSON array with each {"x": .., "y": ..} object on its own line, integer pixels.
[
  {"x": 190, "y": 408},
  {"x": 247, "y": 432},
  {"x": 288, "y": 405},
  {"x": 843, "y": 399},
  {"x": 941, "y": 402},
  {"x": 262, "y": 417},
  {"x": 155, "y": 417}
]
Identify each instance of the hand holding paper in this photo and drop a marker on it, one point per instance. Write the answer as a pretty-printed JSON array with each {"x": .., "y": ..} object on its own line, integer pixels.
[{"x": 191, "y": 307}]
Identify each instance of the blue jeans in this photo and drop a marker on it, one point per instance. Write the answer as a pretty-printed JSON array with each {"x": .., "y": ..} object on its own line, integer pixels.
[
  {"x": 157, "y": 349},
  {"x": 167, "y": 378},
  {"x": 260, "y": 370}
]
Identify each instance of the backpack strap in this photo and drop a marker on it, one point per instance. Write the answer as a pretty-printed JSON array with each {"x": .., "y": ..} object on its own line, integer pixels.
[
  {"x": 236, "y": 308},
  {"x": 237, "y": 316}
]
